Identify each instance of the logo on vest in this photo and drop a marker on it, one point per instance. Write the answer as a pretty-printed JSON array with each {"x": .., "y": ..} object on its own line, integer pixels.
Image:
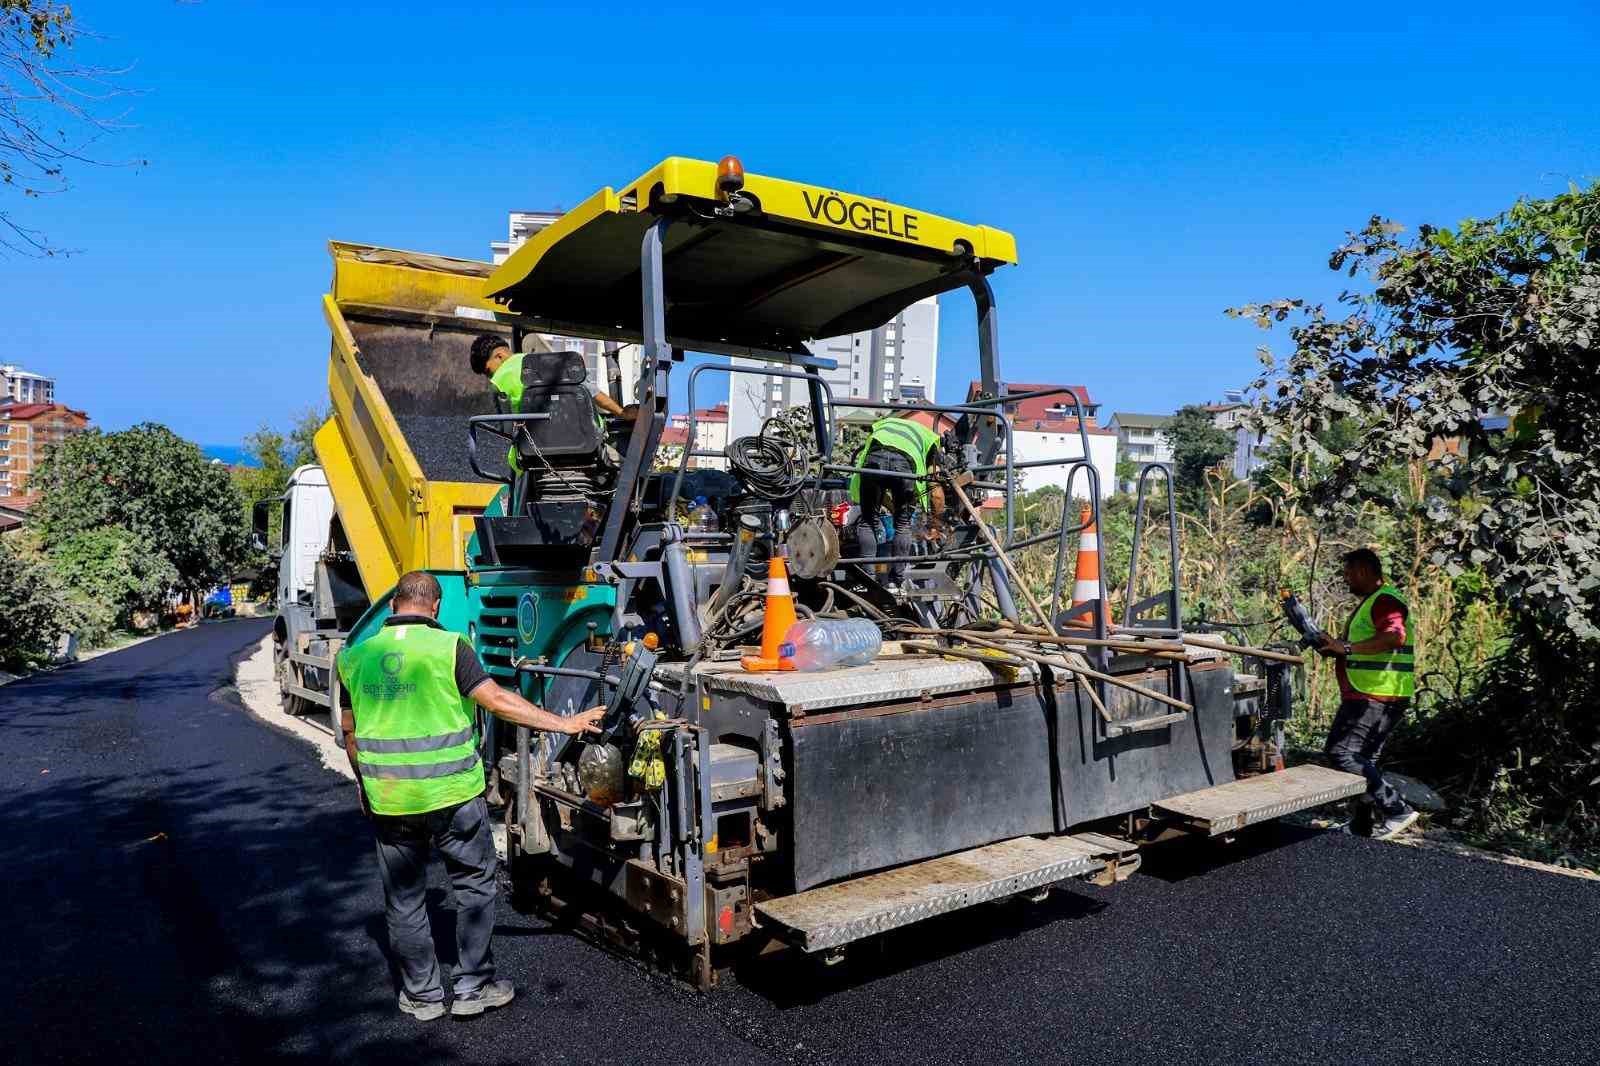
[{"x": 391, "y": 687}]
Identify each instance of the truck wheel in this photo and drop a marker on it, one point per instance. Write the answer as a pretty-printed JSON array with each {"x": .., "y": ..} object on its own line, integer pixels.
[{"x": 292, "y": 704}]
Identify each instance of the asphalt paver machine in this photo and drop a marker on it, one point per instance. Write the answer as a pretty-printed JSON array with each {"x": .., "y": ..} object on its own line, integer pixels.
[{"x": 722, "y": 808}]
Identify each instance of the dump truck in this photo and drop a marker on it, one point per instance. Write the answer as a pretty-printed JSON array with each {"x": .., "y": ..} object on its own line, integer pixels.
[
  {"x": 394, "y": 490},
  {"x": 995, "y": 747}
]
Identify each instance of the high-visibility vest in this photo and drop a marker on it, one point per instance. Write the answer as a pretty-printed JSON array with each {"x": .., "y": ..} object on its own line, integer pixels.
[
  {"x": 1390, "y": 673},
  {"x": 416, "y": 738},
  {"x": 507, "y": 381},
  {"x": 911, "y": 439}
]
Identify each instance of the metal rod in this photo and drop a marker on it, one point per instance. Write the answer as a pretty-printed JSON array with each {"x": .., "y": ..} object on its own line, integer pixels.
[
  {"x": 962, "y": 653},
  {"x": 1244, "y": 649},
  {"x": 650, "y": 394},
  {"x": 564, "y": 671},
  {"x": 1059, "y": 662},
  {"x": 1159, "y": 697},
  {"x": 1056, "y": 638},
  {"x": 1000, "y": 554}
]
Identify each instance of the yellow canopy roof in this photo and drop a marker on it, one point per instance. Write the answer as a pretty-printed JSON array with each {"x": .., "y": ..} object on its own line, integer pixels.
[{"x": 798, "y": 262}]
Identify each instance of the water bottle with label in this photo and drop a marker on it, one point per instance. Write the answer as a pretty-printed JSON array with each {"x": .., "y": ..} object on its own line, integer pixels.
[{"x": 826, "y": 643}]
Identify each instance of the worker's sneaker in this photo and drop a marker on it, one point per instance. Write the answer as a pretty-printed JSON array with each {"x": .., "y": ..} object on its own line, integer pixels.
[
  {"x": 492, "y": 995},
  {"x": 1395, "y": 824},
  {"x": 422, "y": 1010}
]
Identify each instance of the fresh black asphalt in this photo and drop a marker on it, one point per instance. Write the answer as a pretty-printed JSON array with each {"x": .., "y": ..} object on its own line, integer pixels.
[{"x": 188, "y": 884}]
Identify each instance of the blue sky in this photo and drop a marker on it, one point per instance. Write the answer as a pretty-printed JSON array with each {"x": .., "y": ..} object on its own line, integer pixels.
[{"x": 1155, "y": 167}]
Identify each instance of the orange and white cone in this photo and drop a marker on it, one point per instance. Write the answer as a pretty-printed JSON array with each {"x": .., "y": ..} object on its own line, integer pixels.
[
  {"x": 775, "y": 653},
  {"x": 1086, "y": 583}
]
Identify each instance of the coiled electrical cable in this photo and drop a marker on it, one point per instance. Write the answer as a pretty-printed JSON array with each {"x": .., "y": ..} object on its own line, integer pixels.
[{"x": 772, "y": 469}]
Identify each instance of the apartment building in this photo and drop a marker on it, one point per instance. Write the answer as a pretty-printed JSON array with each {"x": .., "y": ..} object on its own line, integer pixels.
[
  {"x": 26, "y": 431},
  {"x": 24, "y": 386},
  {"x": 1141, "y": 439},
  {"x": 710, "y": 435}
]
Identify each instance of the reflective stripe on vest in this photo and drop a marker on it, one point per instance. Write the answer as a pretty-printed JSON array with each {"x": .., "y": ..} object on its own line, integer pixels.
[
  {"x": 416, "y": 743},
  {"x": 911, "y": 439},
  {"x": 1390, "y": 673}
]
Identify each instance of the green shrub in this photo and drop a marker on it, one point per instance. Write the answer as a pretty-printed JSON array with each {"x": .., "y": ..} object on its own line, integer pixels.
[{"x": 36, "y": 610}]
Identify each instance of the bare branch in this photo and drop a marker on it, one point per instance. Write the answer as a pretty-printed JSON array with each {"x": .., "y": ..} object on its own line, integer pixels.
[{"x": 51, "y": 113}]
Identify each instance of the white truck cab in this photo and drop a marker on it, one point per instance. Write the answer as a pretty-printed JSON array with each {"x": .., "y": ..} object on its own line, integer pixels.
[
  {"x": 307, "y": 509},
  {"x": 315, "y": 598}
]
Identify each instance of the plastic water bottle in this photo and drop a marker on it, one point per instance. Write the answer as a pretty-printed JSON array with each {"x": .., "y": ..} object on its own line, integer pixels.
[
  {"x": 702, "y": 519},
  {"x": 826, "y": 643}
]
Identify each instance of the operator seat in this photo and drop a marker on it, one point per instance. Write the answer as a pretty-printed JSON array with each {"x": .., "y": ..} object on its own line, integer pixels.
[
  {"x": 555, "y": 383},
  {"x": 559, "y": 500}
]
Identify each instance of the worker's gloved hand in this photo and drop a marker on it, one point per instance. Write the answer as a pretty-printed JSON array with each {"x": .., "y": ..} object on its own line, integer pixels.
[
  {"x": 361, "y": 793},
  {"x": 587, "y": 722}
]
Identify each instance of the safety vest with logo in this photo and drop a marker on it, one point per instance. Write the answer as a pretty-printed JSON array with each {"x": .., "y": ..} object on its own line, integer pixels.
[
  {"x": 507, "y": 381},
  {"x": 1389, "y": 673},
  {"x": 911, "y": 439},
  {"x": 416, "y": 742}
]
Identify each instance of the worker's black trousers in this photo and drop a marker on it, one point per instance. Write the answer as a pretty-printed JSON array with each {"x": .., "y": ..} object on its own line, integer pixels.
[
  {"x": 1356, "y": 739},
  {"x": 461, "y": 837},
  {"x": 902, "y": 492}
]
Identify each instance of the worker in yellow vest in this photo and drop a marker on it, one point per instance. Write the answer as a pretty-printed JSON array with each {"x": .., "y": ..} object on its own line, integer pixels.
[
  {"x": 896, "y": 446},
  {"x": 1375, "y": 666},
  {"x": 410, "y": 733}
]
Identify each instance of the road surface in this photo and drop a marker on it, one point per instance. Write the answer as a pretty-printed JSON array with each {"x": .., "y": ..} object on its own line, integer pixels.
[{"x": 188, "y": 884}]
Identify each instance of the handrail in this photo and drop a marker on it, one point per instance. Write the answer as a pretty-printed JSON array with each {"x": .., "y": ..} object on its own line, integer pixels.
[
  {"x": 1175, "y": 618},
  {"x": 824, "y": 441},
  {"x": 490, "y": 423}
]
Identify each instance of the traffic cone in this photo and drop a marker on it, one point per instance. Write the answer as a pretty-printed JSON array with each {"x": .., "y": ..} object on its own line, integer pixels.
[
  {"x": 780, "y": 616},
  {"x": 1086, "y": 585}
]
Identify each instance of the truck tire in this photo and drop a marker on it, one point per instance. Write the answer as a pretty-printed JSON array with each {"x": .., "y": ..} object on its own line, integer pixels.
[{"x": 288, "y": 675}]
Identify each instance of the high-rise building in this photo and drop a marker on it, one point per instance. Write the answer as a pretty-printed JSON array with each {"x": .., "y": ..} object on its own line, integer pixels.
[
  {"x": 897, "y": 361},
  {"x": 24, "y": 386},
  {"x": 26, "y": 430},
  {"x": 523, "y": 225}
]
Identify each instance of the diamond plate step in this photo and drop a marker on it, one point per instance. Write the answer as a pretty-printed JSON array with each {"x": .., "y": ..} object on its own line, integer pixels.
[
  {"x": 826, "y": 917},
  {"x": 1226, "y": 808}
]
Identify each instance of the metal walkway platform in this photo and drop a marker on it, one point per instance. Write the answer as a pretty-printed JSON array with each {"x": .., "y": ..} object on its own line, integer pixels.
[
  {"x": 827, "y": 917},
  {"x": 884, "y": 680},
  {"x": 1230, "y": 807}
]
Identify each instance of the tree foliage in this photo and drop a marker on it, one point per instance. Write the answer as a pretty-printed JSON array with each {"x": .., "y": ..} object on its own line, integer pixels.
[
  {"x": 36, "y": 609},
  {"x": 1198, "y": 445},
  {"x": 110, "y": 573},
  {"x": 152, "y": 484},
  {"x": 1468, "y": 358},
  {"x": 50, "y": 111},
  {"x": 1493, "y": 323}
]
